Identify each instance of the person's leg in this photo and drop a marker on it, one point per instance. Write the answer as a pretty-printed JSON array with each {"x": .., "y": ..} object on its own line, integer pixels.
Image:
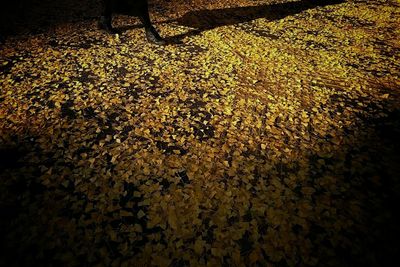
[
  {"x": 151, "y": 33},
  {"x": 106, "y": 16}
]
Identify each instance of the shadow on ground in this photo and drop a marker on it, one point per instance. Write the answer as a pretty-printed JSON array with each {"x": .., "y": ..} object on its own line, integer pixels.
[
  {"x": 210, "y": 19},
  {"x": 36, "y": 16}
]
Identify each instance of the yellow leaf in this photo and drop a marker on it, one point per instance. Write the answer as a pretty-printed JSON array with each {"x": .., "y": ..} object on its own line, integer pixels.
[
  {"x": 236, "y": 257},
  {"x": 263, "y": 146},
  {"x": 254, "y": 256},
  {"x": 199, "y": 246},
  {"x": 216, "y": 252},
  {"x": 140, "y": 214},
  {"x": 125, "y": 213},
  {"x": 172, "y": 220},
  {"x": 145, "y": 202},
  {"x": 137, "y": 228}
]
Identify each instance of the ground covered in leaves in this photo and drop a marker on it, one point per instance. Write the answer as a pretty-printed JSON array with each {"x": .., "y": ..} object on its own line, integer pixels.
[{"x": 265, "y": 134}]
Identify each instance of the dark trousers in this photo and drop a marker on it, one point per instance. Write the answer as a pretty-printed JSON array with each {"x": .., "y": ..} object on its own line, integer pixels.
[{"x": 137, "y": 8}]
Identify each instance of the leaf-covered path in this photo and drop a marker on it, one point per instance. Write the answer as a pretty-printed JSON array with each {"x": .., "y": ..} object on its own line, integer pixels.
[{"x": 265, "y": 134}]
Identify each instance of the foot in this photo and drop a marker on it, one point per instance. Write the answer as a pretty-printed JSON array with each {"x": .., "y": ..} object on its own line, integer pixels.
[
  {"x": 105, "y": 24},
  {"x": 153, "y": 36}
]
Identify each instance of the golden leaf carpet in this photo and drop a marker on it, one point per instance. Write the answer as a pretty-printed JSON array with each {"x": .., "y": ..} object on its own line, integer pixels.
[{"x": 265, "y": 133}]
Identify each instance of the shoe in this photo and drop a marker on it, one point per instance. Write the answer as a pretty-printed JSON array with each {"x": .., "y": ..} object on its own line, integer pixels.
[
  {"x": 153, "y": 36},
  {"x": 105, "y": 24}
]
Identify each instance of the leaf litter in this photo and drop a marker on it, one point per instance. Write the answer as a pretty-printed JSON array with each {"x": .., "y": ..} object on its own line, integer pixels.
[{"x": 260, "y": 140}]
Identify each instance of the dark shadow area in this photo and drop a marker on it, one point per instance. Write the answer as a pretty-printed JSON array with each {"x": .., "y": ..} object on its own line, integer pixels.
[
  {"x": 203, "y": 20},
  {"x": 385, "y": 220},
  {"x": 35, "y": 16},
  {"x": 41, "y": 221},
  {"x": 372, "y": 168},
  {"x": 210, "y": 19}
]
